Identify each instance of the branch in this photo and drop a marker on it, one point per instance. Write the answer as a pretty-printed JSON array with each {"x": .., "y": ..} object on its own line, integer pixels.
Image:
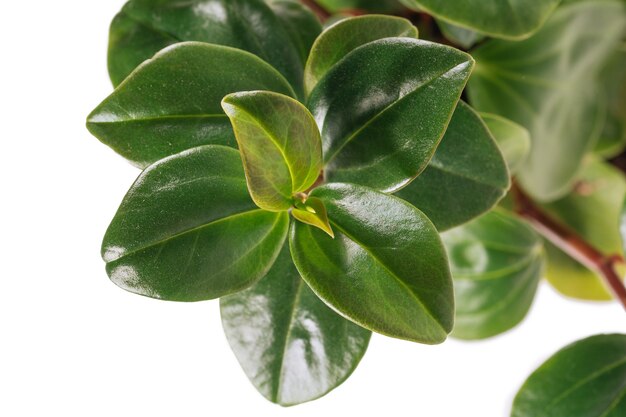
[{"x": 572, "y": 244}]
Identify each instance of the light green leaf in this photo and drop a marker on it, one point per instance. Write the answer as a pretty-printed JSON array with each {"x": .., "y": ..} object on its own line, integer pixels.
[
  {"x": 592, "y": 211},
  {"x": 513, "y": 139},
  {"x": 144, "y": 123},
  {"x": 496, "y": 262},
  {"x": 345, "y": 36},
  {"x": 289, "y": 343},
  {"x": 386, "y": 268},
  {"x": 313, "y": 212},
  {"x": 249, "y": 25},
  {"x": 459, "y": 35},
  {"x": 548, "y": 84},
  {"x": 401, "y": 90},
  {"x": 584, "y": 379},
  {"x": 498, "y": 18},
  {"x": 465, "y": 178},
  {"x": 188, "y": 231},
  {"x": 279, "y": 143}
]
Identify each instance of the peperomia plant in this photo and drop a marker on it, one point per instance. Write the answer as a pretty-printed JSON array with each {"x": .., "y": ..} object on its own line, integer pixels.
[{"x": 327, "y": 183}]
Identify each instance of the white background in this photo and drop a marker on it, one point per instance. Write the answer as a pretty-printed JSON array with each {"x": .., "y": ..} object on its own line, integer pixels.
[{"x": 73, "y": 344}]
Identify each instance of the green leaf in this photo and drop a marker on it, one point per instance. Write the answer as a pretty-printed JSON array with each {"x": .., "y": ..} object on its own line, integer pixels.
[
  {"x": 280, "y": 146},
  {"x": 465, "y": 178},
  {"x": 373, "y": 6},
  {"x": 131, "y": 43},
  {"x": 314, "y": 213},
  {"x": 290, "y": 344},
  {"x": 584, "y": 379},
  {"x": 386, "y": 268},
  {"x": 548, "y": 84},
  {"x": 496, "y": 262},
  {"x": 459, "y": 35},
  {"x": 188, "y": 231},
  {"x": 172, "y": 102},
  {"x": 498, "y": 18},
  {"x": 592, "y": 211},
  {"x": 244, "y": 24},
  {"x": 513, "y": 139},
  {"x": 613, "y": 78},
  {"x": 346, "y": 35},
  {"x": 300, "y": 22},
  {"x": 402, "y": 90}
]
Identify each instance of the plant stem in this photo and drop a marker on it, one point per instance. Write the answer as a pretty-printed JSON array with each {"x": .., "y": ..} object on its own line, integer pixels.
[{"x": 572, "y": 244}]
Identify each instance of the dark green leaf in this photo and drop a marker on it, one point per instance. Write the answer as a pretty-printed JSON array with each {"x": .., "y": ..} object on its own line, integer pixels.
[
  {"x": 290, "y": 344},
  {"x": 548, "y": 84},
  {"x": 496, "y": 262},
  {"x": 188, "y": 231},
  {"x": 386, "y": 268},
  {"x": 592, "y": 210},
  {"x": 279, "y": 143},
  {"x": 584, "y": 379},
  {"x": 401, "y": 90},
  {"x": 244, "y": 24},
  {"x": 172, "y": 102},
  {"x": 513, "y": 139},
  {"x": 300, "y": 22},
  {"x": 459, "y": 35},
  {"x": 499, "y": 18},
  {"x": 375, "y": 6},
  {"x": 346, "y": 35},
  {"x": 465, "y": 178}
]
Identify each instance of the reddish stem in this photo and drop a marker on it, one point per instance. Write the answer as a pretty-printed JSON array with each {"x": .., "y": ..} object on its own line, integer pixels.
[
  {"x": 572, "y": 244},
  {"x": 321, "y": 12}
]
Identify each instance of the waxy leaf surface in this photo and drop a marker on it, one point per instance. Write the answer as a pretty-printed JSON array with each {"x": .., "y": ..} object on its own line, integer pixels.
[
  {"x": 300, "y": 22},
  {"x": 383, "y": 109},
  {"x": 345, "y": 36},
  {"x": 314, "y": 213},
  {"x": 187, "y": 230},
  {"x": 592, "y": 210},
  {"x": 496, "y": 262},
  {"x": 250, "y": 25},
  {"x": 386, "y": 269},
  {"x": 513, "y": 139},
  {"x": 290, "y": 344},
  {"x": 549, "y": 84},
  {"x": 172, "y": 102},
  {"x": 498, "y": 18},
  {"x": 584, "y": 379},
  {"x": 279, "y": 143},
  {"x": 465, "y": 178}
]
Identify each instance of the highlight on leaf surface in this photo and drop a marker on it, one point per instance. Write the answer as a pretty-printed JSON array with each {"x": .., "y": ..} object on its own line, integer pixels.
[{"x": 279, "y": 143}]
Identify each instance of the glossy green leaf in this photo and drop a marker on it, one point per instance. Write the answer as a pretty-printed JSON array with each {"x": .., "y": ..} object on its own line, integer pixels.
[
  {"x": 498, "y": 18},
  {"x": 346, "y": 35},
  {"x": 592, "y": 210},
  {"x": 279, "y": 143},
  {"x": 375, "y": 6},
  {"x": 289, "y": 343},
  {"x": 386, "y": 268},
  {"x": 144, "y": 123},
  {"x": 401, "y": 90},
  {"x": 513, "y": 139},
  {"x": 314, "y": 213},
  {"x": 584, "y": 379},
  {"x": 188, "y": 231},
  {"x": 497, "y": 263},
  {"x": 613, "y": 78},
  {"x": 131, "y": 43},
  {"x": 250, "y": 25},
  {"x": 300, "y": 22},
  {"x": 548, "y": 84},
  {"x": 459, "y": 35},
  {"x": 465, "y": 178}
]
